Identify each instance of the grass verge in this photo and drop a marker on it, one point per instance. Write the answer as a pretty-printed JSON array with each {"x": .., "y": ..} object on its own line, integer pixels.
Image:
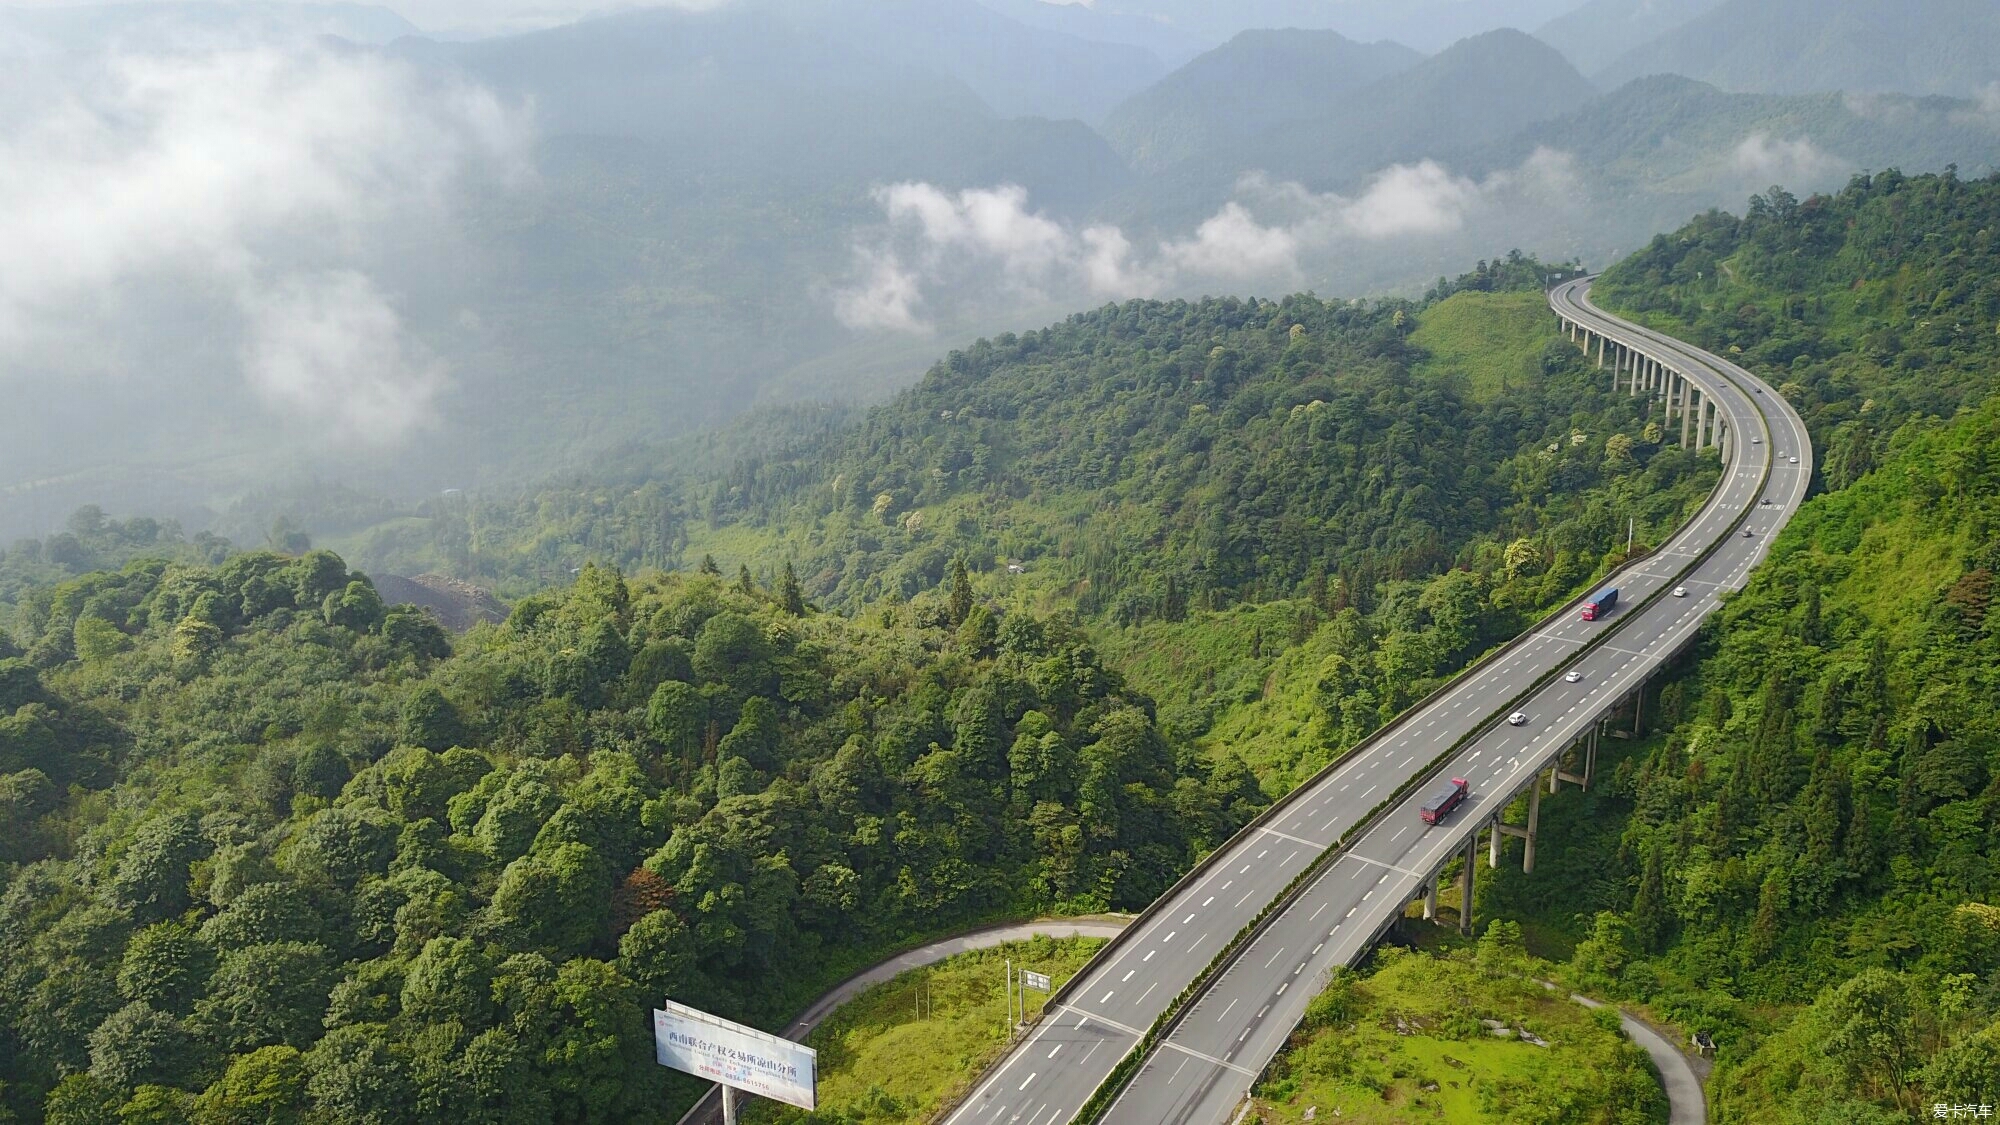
[{"x": 900, "y": 1051}]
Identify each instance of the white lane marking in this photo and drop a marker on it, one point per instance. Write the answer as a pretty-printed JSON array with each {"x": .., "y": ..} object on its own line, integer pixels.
[
  {"x": 1129, "y": 974},
  {"x": 1208, "y": 900},
  {"x": 1243, "y": 1070},
  {"x": 1149, "y": 955},
  {"x": 1148, "y": 992},
  {"x": 1225, "y": 1011},
  {"x": 1107, "y": 996},
  {"x": 1054, "y": 1049},
  {"x": 1274, "y": 957},
  {"x": 1024, "y": 1084}
]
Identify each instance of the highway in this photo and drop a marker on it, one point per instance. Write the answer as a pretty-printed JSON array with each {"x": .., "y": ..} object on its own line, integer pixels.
[{"x": 1200, "y": 1072}]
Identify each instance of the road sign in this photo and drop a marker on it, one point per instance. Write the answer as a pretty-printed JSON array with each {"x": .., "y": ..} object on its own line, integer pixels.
[
  {"x": 714, "y": 1048},
  {"x": 1034, "y": 980}
]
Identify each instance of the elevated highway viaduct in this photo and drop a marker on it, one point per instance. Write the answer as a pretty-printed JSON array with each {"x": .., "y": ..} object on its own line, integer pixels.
[{"x": 1315, "y": 881}]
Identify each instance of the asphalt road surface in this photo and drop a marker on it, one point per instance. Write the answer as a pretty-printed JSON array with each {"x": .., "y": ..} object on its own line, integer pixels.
[{"x": 1200, "y": 1073}]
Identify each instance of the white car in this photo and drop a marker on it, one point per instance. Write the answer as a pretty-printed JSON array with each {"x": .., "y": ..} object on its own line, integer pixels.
[
  {"x": 1516, "y": 719},
  {"x": 1573, "y": 678},
  {"x": 1682, "y": 591},
  {"x": 1756, "y": 441},
  {"x": 1795, "y": 460}
]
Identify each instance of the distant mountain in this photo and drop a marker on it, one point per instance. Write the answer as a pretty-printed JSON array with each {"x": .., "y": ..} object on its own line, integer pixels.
[
  {"x": 1666, "y": 145},
  {"x": 1257, "y": 82},
  {"x": 1170, "y": 42},
  {"x": 1947, "y": 47},
  {"x": 826, "y": 95},
  {"x": 1427, "y": 25},
  {"x": 1487, "y": 86},
  {"x": 31, "y": 32},
  {"x": 1015, "y": 69},
  {"x": 1605, "y": 29}
]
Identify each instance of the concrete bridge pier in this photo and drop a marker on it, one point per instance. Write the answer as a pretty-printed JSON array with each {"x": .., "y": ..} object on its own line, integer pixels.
[{"x": 1465, "y": 884}]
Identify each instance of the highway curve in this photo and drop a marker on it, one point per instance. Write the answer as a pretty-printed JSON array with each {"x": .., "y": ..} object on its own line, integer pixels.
[{"x": 1200, "y": 1071}]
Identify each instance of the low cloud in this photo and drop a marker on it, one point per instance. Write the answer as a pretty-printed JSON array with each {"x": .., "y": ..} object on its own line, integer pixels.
[
  {"x": 332, "y": 348},
  {"x": 256, "y": 177},
  {"x": 1768, "y": 161},
  {"x": 935, "y": 245}
]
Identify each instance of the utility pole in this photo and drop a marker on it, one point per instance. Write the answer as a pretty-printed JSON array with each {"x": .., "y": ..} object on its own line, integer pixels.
[
  {"x": 1010, "y": 996},
  {"x": 1631, "y": 525}
]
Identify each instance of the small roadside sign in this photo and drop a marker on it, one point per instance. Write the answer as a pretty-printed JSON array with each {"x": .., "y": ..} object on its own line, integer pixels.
[{"x": 1034, "y": 980}]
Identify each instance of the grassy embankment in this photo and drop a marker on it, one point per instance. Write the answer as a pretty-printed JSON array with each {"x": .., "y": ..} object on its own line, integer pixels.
[
  {"x": 884, "y": 1064},
  {"x": 1413, "y": 1040}
]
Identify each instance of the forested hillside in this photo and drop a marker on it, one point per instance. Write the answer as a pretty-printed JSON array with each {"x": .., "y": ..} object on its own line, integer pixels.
[
  {"x": 1245, "y": 500},
  {"x": 1803, "y": 859},
  {"x": 270, "y": 846}
]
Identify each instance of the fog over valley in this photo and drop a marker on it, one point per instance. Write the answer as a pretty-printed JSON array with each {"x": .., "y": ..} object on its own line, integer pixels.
[{"x": 448, "y": 247}]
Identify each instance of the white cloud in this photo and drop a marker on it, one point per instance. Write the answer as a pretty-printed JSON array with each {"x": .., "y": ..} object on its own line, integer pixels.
[
  {"x": 935, "y": 242},
  {"x": 331, "y": 347},
  {"x": 1768, "y": 161},
  {"x": 885, "y": 298},
  {"x": 226, "y": 171}
]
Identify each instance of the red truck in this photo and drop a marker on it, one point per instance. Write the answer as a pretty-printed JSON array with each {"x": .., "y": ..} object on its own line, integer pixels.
[
  {"x": 1440, "y": 806},
  {"x": 1603, "y": 603}
]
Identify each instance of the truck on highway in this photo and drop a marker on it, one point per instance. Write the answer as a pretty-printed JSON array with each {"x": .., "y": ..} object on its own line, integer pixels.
[
  {"x": 1603, "y": 603},
  {"x": 1440, "y": 806}
]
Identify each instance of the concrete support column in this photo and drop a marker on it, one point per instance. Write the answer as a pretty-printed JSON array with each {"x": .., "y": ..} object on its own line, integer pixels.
[
  {"x": 1688, "y": 396},
  {"x": 1600, "y": 353},
  {"x": 1493, "y": 843},
  {"x": 1465, "y": 884},
  {"x": 1534, "y": 821},
  {"x": 1590, "y": 758},
  {"x": 1638, "y": 709},
  {"x": 1431, "y": 902}
]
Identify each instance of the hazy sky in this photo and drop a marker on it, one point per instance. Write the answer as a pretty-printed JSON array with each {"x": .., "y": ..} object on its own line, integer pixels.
[{"x": 459, "y": 16}]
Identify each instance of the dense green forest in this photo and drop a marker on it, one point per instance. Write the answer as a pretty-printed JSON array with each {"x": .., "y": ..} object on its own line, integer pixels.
[
  {"x": 275, "y": 851},
  {"x": 1801, "y": 859},
  {"x": 274, "y": 848}
]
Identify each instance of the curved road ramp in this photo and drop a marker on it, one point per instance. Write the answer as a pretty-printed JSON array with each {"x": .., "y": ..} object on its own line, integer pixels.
[{"x": 1175, "y": 1018}]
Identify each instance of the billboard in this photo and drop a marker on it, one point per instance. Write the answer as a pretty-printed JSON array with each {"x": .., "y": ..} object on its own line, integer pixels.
[
  {"x": 1034, "y": 980},
  {"x": 714, "y": 1048}
]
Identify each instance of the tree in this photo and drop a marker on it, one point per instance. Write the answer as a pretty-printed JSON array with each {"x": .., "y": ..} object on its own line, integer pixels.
[
  {"x": 140, "y": 1044},
  {"x": 429, "y": 720},
  {"x": 790, "y": 597},
  {"x": 80, "y": 1099},
  {"x": 961, "y": 592},
  {"x": 558, "y": 902},
  {"x": 353, "y": 1076},
  {"x": 264, "y": 995},
  {"x": 152, "y": 877},
  {"x": 165, "y": 966},
  {"x": 450, "y": 981},
  {"x": 1649, "y": 906},
  {"x": 754, "y": 738},
  {"x": 1871, "y": 1033},
  {"x": 657, "y": 954},
  {"x": 265, "y": 1087},
  {"x": 708, "y": 566},
  {"x": 676, "y": 714}
]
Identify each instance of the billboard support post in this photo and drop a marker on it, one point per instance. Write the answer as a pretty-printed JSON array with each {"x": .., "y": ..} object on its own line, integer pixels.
[
  {"x": 728, "y": 1105},
  {"x": 1010, "y": 994}
]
